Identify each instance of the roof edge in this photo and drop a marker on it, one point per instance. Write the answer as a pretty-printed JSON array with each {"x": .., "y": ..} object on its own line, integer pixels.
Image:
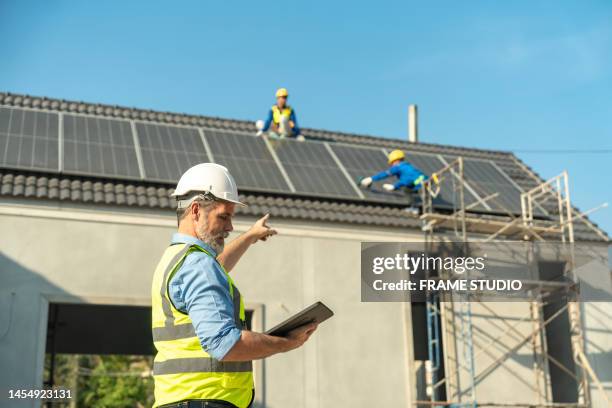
[{"x": 537, "y": 177}]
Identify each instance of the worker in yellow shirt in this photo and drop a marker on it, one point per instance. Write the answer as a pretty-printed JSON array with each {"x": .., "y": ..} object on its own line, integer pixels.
[{"x": 281, "y": 120}]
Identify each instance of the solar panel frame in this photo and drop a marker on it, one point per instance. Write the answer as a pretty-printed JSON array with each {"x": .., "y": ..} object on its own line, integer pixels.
[
  {"x": 539, "y": 210},
  {"x": 248, "y": 159},
  {"x": 429, "y": 164},
  {"x": 487, "y": 178},
  {"x": 313, "y": 170},
  {"x": 29, "y": 139},
  {"x": 167, "y": 151},
  {"x": 473, "y": 199},
  {"x": 484, "y": 176},
  {"x": 98, "y": 146}
]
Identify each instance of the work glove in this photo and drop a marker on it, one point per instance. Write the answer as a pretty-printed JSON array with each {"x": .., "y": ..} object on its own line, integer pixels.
[
  {"x": 388, "y": 187},
  {"x": 366, "y": 182}
]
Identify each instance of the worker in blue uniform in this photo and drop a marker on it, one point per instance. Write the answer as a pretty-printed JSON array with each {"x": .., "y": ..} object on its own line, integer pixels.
[
  {"x": 408, "y": 176},
  {"x": 281, "y": 120}
]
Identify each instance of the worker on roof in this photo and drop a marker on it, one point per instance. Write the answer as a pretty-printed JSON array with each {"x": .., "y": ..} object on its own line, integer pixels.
[
  {"x": 281, "y": 120},
  {"x": 408, "y": 176},
  {"x": 204, "y": 350}
]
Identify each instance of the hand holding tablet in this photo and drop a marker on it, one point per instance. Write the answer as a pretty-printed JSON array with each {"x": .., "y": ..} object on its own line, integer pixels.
[{"x": 315, "y": 313}]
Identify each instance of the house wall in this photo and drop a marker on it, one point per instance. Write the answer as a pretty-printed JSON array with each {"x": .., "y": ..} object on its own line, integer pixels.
[
  {"x": 360, "y": 358},
  {"x": 597, "y": 321},
  {"x": 503, "y": 333},
  {"x": 51, "y": 253}
]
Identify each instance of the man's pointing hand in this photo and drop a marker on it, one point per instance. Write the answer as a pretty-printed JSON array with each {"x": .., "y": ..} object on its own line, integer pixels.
[{"x": 260, "y": 230}]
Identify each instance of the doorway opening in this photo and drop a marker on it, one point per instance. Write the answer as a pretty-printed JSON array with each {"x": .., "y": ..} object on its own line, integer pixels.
[{"x": 103, "y": 354}]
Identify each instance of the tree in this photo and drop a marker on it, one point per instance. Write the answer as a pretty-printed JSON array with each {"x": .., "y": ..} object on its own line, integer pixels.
[{"x": 110, "y": 381}]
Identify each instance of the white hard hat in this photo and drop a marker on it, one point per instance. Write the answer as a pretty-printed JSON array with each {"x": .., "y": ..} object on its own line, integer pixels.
[{"x": 207, "y": 178}]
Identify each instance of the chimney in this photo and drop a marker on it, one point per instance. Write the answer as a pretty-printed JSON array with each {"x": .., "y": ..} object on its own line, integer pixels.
[{"x": 413, "y": 129}]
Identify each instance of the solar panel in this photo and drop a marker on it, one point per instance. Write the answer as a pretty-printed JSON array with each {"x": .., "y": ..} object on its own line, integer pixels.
[
  {"x": 106, "y": 147},
  {"x": 99, "y": 146},
  {"x": 430, "y": 164},
  {"x": 487, "y": 179},
  {"x": 29, "y": 139},
  {"x": 312, "y": 169},
  {"x": 448, "y": 196},
  {"x": 248, "y": 159},
  {"x": 168, "y": 151},
  {"x": 363, "y": 162}
]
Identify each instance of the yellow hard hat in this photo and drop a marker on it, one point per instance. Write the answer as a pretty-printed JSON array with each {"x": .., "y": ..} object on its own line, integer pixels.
[
  {"x": 396, "y": 155},
  {"x": 282, "y": 92}
]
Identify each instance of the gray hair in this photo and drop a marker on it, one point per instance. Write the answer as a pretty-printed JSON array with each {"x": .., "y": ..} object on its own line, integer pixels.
[{"x": 184, "y": 205}]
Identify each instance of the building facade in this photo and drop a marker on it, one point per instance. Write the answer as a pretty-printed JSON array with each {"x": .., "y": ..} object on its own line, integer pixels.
[{"x": 79, "y": 245}]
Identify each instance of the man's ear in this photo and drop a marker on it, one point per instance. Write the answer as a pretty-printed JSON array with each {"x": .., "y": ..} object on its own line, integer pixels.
[{"x": 195, "y": 210}]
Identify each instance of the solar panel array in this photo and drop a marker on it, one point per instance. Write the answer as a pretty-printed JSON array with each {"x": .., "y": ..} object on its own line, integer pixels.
[
  {"x": 167, "y": 151},
  {"x": 38, "y": 140},
  {"x": 361, "y": 162},
  {"x": 429, "y": 164},
  {"x": 99, "y": 146},
  {"x": 29, "y": 139},
  {"x": 313, "y": 170},
  {"x": 487, "y": 179},
  {"x": 248, "y": 159}
]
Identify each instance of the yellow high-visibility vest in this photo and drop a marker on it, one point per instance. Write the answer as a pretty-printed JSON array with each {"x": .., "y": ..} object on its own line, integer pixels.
[
  {"x": 182, "y": 370},
  {"x": 278, "y": 113}
]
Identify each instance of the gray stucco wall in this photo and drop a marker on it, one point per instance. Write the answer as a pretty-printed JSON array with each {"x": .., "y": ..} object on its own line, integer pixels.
[
  {"x": 360, "y": 358},
  {"x": 68, "y": 254}
]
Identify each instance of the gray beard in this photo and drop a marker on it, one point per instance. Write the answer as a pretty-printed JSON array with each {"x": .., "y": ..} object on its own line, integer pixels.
[{"x": 209, "y": 239}]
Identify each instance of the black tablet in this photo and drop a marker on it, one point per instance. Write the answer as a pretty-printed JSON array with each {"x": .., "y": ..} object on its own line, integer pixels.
[{"x": 317, "y": 312}]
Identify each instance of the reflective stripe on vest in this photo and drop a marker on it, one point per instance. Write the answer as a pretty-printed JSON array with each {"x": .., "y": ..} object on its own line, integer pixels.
[
  {"x": 200, "y": 365},
  {"x": 182, "y": 369},
  {"x": 419, "y": 180},
  {"x": 170, "y": 331},
  {"x": 277, "y": 113}
]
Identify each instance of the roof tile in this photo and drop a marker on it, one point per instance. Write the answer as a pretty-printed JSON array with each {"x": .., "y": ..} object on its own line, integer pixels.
[{"x": 147, "y": 194}]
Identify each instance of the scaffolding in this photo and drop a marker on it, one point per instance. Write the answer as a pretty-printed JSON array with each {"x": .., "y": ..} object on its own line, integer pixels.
[{"x": 449, "y": 316}]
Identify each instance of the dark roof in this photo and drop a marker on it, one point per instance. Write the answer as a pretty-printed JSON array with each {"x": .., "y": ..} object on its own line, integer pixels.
[
  {"x": 39, "y": 185},
  {"x": 23, "y": 184}
]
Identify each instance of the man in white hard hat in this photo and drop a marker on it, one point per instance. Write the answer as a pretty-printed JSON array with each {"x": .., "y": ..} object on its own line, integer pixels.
[{"x": 204, "y": 351}]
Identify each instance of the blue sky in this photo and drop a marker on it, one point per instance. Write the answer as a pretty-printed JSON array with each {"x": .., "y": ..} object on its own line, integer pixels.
[{"x": 522, "y": 76}]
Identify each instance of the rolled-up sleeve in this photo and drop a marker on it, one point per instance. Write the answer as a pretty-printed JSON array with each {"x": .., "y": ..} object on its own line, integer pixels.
[{"x": 201, "y": 289}]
